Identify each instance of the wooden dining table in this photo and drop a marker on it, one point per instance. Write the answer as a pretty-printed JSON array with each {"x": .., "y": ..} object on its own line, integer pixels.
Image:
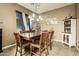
[{"x": 30, "y": 36}]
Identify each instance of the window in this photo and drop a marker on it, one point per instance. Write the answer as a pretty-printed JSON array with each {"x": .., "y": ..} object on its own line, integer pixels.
[
  {"x": 23, "y": 21},
  {"x": 19, "y": 20},
  {"x": 27, "y": 22}
]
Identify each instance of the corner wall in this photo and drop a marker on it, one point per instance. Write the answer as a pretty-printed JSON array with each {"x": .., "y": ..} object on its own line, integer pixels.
[{"x": 78, "y": 26}]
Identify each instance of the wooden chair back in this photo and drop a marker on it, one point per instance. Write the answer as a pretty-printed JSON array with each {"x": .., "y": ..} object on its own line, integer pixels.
[
  {"x": 44, "y": 39},
  {"x": 51, "y": 35},
  {"x": 18, "y": 39},
  {"x": 42, "y": 44}
]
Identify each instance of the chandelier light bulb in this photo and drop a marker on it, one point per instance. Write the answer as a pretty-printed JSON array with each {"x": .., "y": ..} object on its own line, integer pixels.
[
  {"x": 39, "y": 17},
  {"x": 29, "y": 17},
  {"x": 33, "y": 15}
]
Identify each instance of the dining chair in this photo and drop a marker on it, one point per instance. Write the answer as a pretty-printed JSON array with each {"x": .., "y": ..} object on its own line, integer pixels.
[
  {"x": 20, "y": 43},
  {"x": 41, "y": 45},
  {"x": 50, "y": 41}
]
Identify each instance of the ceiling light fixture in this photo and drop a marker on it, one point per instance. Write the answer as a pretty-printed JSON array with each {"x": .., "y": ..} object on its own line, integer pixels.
[{"x": 35, "y": 16}]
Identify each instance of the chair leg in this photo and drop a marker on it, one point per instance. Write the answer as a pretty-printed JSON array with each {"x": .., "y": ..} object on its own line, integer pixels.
[
  {"x": 30, "y": 50},
  {"x": 47, "y": 52},
  {"x": 16, "y": 54},
  {"x": 39, "y": 51},
  {"x": 21, "y": 51},
  {"x": 50, "y": 45},
  {"x": 16, "y": 51}
]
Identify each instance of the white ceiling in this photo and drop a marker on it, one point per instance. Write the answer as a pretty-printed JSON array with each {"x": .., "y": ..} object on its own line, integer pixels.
[{"x": 44, "y": 6}]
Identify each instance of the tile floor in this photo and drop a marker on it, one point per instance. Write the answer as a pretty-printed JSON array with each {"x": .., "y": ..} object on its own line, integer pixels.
[{"x": 58, "y": 49}]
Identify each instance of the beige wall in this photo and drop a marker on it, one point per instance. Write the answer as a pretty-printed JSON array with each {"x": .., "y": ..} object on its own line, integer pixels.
[
  {"x": 8, "y": 16},
  {"x": 60, "y": 14},
  {"x": 78, "y": 26}
]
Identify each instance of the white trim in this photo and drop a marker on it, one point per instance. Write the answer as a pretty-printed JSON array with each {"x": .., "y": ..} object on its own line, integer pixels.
[
  {"x": 15, "y": 44},
  {"x": 8, "y": 46},
  {"x": 24, "y": 21}
]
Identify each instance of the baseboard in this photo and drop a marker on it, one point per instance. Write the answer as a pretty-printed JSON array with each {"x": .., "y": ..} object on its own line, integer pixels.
[
  {"x": 15, "y": 44},
  {"x": 8, "y": 46}
]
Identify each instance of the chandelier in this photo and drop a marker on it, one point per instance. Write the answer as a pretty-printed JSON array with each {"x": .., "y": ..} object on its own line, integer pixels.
[{"x": 35, "y": 16}]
